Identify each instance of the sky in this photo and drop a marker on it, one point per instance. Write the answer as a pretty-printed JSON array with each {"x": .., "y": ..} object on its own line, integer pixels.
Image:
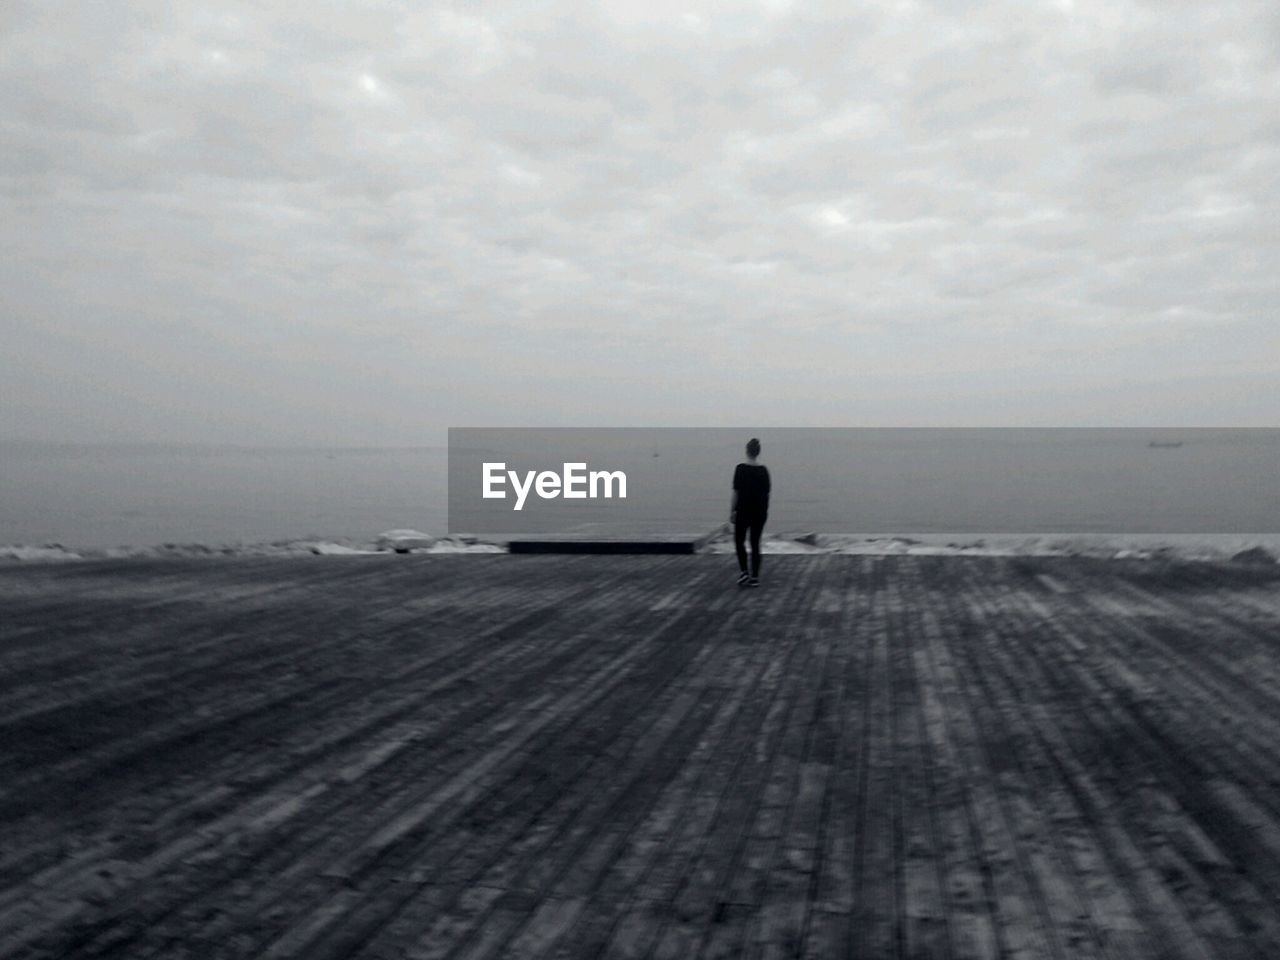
[{"x": 361, "y": 223}]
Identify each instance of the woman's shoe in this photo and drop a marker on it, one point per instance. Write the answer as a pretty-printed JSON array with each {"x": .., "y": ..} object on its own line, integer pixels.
[{"x": 743, "y": 579}]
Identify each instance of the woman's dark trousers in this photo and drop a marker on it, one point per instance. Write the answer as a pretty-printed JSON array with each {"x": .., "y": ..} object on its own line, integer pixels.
[{"x": 744, "y": 525}]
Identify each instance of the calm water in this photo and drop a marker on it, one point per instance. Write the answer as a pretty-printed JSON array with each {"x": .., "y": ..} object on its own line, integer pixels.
[
  {"x": 887, "y": 481},
  {"x": 127, "y": 495}
]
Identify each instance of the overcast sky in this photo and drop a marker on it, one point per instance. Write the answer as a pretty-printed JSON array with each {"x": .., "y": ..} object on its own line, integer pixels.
[{"x": 324, "y": 222}]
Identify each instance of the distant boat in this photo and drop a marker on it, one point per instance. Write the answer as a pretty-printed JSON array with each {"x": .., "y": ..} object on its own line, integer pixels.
[{"x": 1165, "y": 443}]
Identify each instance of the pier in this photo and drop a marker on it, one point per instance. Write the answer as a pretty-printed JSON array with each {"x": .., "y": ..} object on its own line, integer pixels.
[{"x": 585, "y": 756}]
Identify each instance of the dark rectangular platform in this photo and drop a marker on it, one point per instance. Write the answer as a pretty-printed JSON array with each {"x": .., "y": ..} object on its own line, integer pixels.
[
  {"x": 613, "y": 539},
  {"x": 603, "y": 546}
]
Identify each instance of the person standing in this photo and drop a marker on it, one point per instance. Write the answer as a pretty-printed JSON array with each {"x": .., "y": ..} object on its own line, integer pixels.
[{"x": 748, "y": 511}]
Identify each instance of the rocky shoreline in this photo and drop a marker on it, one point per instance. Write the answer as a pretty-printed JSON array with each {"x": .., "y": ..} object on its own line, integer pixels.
[{"x": 1243, "y": 548}]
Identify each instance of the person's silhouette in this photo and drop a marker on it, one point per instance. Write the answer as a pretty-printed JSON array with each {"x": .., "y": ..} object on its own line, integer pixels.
[{"x": 748, "y": 512}]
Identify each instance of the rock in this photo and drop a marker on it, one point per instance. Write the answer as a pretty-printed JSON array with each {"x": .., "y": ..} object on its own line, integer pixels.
[
  {"x": 402, "y": 541},
  {"x": 465, "y": 544},
  {"x": 810, "y": 539},
  {"x": 1254, "y": 555},
  {"x": 53, "y": 551},
  {"x": 327, "y": 549}
]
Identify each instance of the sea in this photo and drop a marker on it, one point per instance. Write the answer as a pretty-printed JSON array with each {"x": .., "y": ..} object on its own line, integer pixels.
[
  {"x": 840, "y": 481},
  {"x": 109, "y": 495}
]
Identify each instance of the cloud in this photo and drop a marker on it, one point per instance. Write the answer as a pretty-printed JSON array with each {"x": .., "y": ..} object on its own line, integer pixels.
[{"x": 401, "y": 209}]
